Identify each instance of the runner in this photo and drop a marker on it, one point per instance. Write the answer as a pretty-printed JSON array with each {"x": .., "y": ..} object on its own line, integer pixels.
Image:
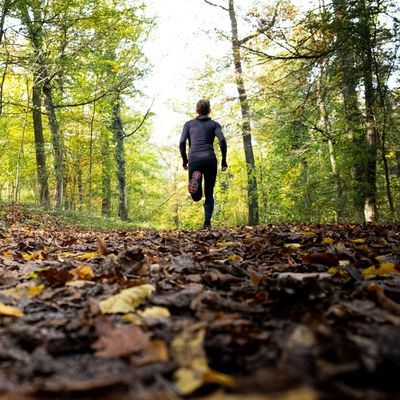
[{"x": 202, "y": 163}]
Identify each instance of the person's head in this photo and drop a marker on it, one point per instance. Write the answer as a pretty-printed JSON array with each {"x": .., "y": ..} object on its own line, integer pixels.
[{"x": 203, "y": 107}]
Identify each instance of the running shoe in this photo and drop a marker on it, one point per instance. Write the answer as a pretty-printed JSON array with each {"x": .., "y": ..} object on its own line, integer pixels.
[{"x": 194, "y": 183}]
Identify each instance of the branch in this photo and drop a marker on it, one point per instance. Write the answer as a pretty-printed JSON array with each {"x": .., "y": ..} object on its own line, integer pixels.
[
  {"x": 262, "y": 30},
  {"x": 84, "y": 103},
  {"x": 216, "y": 5},
  {"x": 297, "y": 56},
  {"x": 142, "y": 122}
]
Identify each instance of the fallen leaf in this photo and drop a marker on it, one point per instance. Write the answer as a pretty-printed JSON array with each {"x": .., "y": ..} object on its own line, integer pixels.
[
  {"x": 120, "y": 341},
  {"x": 87, "y": 256},
  {"x": 23, "y": 291},
  {"x": 83, "y": 272},
  {"x": 127, "y": 300},
  {"x": 188, "y": 351},
  {"x": 11, "y": 311},
  {"x": 155, "y": 351},
  {"x": 328, "y": 259},
  {"x": 381, "y": 269},
  {"x": 154, "y": 312},
  {"x": 55, "y": 276}
]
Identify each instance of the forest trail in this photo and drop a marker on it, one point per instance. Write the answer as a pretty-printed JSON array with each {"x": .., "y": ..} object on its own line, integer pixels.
[{"x": 270, "y": 312}]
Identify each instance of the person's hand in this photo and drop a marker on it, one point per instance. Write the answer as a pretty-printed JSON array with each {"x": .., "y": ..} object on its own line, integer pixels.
[{"x": 185, "y": 167}]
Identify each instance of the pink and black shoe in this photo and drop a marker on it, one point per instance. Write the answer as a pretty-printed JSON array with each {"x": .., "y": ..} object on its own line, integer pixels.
[{"x": 194, "y": 183}]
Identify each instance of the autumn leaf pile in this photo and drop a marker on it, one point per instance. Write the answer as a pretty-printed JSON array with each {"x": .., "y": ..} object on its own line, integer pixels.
[{"x": 272, "y": 312}]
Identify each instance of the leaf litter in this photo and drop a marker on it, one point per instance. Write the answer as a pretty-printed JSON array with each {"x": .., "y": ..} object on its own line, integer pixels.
[{"x": 269, "y": 312}]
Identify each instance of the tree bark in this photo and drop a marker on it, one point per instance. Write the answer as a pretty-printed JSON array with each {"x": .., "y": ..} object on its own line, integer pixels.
[
  {"x": 327, "y": 127},
  {"x": 370, "y": 209},
  {"x": 21, "y": 147},
  {"x": 41, "y": 167},
  {"x": 91, "y": 157},
  {"x": 58, "y": 146},
  {"x": 252, "y": 190},
  {"x": 105, "y": 179},
  {"x": 4, "y": 11},
  {"x": 354, "y": 117},
  {"x": 117, "y": 129}
]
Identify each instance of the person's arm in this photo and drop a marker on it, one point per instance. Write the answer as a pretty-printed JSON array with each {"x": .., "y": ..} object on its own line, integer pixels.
[
  {"x": 182, "y": 144},
  {"x": 222, "y": 145}
]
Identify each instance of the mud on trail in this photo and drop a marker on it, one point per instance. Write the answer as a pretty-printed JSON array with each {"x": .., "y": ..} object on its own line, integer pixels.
[{"x": 272, "y": 312}]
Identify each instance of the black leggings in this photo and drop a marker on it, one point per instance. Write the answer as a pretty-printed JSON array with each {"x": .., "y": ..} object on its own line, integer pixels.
[{"x": 208, "y": 169}]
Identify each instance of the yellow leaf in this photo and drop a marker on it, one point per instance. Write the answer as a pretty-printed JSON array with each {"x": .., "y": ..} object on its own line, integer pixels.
[
  {"x": 83, "y": 272},
  {"x": 308, "y": 233},
  {"x": 358, "y": 241},
  {"x": 292, "y": 245},
  {"x": 381, "y": 269},
  {"x": 154, "y": 312},
  {"x": 221, "y": 379},
  {"x": 127, "y": 300},
  {"x": 133, "y": 319},
  {"x": 8, "y": 255},
  {"x": 188, "y": 351},
  {"x": 338, "y": 271},
  {"x": 187, "y": 380},
  {"x": 87, "y": 256},
  {"x": 328, "y": 240},
  {"x": 362, "y": 247},
  {"x": 11, "y": 311},
  {"x": 233, "y": 257},
  {"x": 78, "y": 283},
  {"x": 34, "y": 291},
  {"x": 23, "y": 291},
  {"x": 32, "y": 256}
]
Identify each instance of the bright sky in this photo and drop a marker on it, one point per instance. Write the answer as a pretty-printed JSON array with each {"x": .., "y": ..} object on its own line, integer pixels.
[{"x": 178, "y": 47}]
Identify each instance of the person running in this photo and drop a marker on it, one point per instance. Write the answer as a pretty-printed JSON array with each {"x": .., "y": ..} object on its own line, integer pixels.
[{"x": 200, "y": 133}]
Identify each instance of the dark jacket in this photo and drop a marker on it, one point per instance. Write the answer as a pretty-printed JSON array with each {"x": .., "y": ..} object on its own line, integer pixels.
[{"x": 200, "y": 132}]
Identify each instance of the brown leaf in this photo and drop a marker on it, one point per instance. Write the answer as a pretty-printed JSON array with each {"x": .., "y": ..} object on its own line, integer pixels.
[
  {"x": 120, "y": 341},
  {"x": 55, "y": 276}
]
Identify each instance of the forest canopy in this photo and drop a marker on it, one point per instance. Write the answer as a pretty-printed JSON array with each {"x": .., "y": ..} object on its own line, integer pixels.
[{"x": 312, "y": 122}]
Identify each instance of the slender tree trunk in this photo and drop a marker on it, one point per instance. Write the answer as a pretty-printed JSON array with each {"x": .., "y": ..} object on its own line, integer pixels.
[
  {"x": 327, "y": 127},
  {"x": 21, "y": 147},
  {"x": 80, "y": 185},
  {"x": 354, "y": 117},
  {"x": 91, "y": 157},
  {"x": 387, "y": 114},
  {"x": 42, "y": 174},
  {"x": 370, "y": 209},
  {"x": 252, "y": 191},
  {"x": 4, "y": 11},
  {"x": 105, "y": 178},
  {"x": 58, "y": 146},
  {"x": 117, "y": 129}
]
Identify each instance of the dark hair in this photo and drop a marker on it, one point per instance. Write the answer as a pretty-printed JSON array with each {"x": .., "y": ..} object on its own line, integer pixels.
[{"x": 203, "y": 107}]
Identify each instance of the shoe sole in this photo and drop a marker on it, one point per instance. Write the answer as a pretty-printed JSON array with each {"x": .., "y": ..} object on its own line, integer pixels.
[{"x": 194, "y": 182}]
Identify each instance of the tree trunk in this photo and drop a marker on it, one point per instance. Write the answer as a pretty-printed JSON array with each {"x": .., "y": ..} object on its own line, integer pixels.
[
  {"x": 91, "y": 157},
  {"x": 4, "y": 11},
  {"x": 354, "y": 117},
  {"x": 42, "y": 175},
  {"x": 252, "y": 191},
  {"x": 21, "y": 147},
  {"x": 327, "y": 127},
  {"x": 105, "y": 179},
  {"x": 58, "y": 146},
  {"x": 370, "y": 210},
  {"x": 117, "y": 129}
]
